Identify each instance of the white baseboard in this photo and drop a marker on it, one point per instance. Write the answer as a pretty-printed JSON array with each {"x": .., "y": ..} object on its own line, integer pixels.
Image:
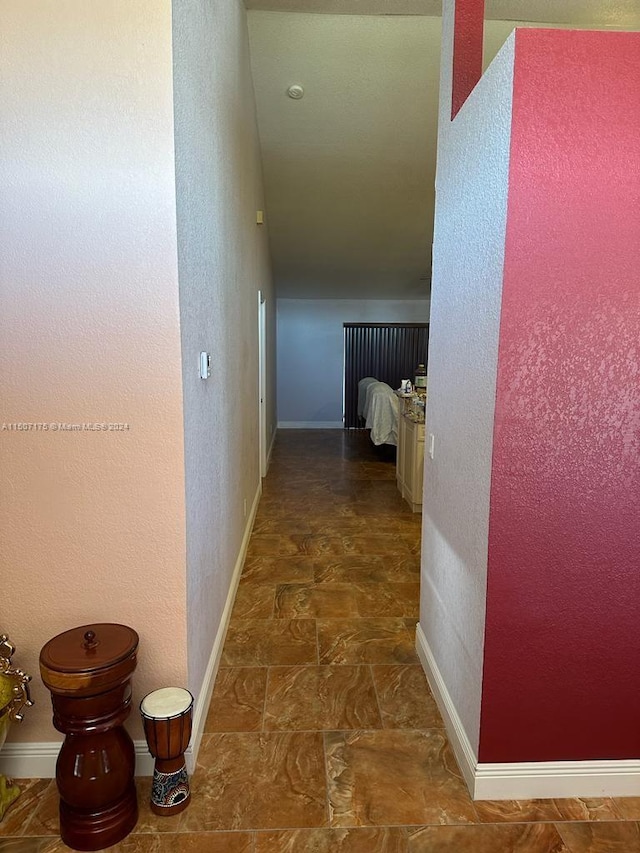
[
  {"x": 310, "y": 425},
  {"x": 30, "y": 760},
  {"x": 38, "y": 760},
  {"x": 464, "y": 752},
  {"x": 525, "y": 780},
  {"x": 204, "y": 696},
  {"x": 557, "y": 779}
]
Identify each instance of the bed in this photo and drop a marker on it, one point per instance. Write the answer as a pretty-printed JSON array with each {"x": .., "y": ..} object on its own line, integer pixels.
[{"x": 378, "y": 405}]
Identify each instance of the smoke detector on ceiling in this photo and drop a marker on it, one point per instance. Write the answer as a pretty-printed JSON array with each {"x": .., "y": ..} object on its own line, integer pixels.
[{"x": 296, "y": 92}]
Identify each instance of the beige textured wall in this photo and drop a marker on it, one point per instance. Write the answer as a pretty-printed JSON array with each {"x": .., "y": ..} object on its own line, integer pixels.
[{"x": 92, "y": 522}]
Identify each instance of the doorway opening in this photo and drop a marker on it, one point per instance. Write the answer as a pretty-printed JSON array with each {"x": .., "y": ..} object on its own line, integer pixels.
[{"x": 262, "y": 381}]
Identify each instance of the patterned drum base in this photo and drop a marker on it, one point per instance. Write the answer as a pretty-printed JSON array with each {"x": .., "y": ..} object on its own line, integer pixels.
[{"x": 170, "y": 789}]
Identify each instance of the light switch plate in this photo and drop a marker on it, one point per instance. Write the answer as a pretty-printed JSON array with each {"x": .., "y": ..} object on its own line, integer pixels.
[{"x": 205, "y": 365}]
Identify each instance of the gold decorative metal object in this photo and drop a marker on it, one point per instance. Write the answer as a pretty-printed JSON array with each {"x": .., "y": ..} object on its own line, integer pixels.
[{"x": 14, "y": 697}]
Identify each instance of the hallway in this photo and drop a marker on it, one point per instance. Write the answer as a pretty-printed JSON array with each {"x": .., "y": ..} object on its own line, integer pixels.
[{"x": 322, "y": 736}]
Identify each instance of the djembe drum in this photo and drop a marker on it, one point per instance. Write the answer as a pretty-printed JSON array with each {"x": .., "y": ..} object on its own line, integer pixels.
[{"x": 166, "y": 717}]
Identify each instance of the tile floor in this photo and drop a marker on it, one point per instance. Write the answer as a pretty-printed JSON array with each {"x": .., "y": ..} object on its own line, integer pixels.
[{"x": 322, "y": 735}]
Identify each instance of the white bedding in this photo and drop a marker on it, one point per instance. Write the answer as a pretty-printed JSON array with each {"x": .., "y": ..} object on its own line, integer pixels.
[
  {"x": 380, "y": 411},
  {"x": 363, "y": 384}
]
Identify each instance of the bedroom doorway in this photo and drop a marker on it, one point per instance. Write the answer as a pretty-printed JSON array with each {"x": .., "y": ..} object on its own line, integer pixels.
[
  {"x": 387, "y": 352},
  {"x": 262, "y": 381}
]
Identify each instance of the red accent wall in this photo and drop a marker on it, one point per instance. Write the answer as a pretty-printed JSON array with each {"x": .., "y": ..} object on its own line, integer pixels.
[
  {"x": 468, "y": 43},
  {"x": 562, "y": 654}
]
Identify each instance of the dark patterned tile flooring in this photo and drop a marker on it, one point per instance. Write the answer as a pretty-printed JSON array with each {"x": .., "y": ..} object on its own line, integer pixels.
[{"x": 322, "y": 735}]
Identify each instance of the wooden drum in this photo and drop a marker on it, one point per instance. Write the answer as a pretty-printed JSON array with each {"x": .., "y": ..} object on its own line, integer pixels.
[{"x": 166, "y": 717}]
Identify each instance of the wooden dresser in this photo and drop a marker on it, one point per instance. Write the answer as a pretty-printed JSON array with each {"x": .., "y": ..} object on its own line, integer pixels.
[{"x": 410, "y": 461}]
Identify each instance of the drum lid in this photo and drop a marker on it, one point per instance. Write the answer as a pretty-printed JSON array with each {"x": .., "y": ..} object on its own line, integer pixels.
[
  {"x": 89, "y": 648},
  {"x": 166, "y": 702}
]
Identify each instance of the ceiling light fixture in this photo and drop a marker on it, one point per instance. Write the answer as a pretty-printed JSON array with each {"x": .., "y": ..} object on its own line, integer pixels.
[{"x": 296, "y": 92}]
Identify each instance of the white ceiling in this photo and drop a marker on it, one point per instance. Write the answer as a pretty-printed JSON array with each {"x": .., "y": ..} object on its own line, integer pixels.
[{"x": 349, "y": 169}]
